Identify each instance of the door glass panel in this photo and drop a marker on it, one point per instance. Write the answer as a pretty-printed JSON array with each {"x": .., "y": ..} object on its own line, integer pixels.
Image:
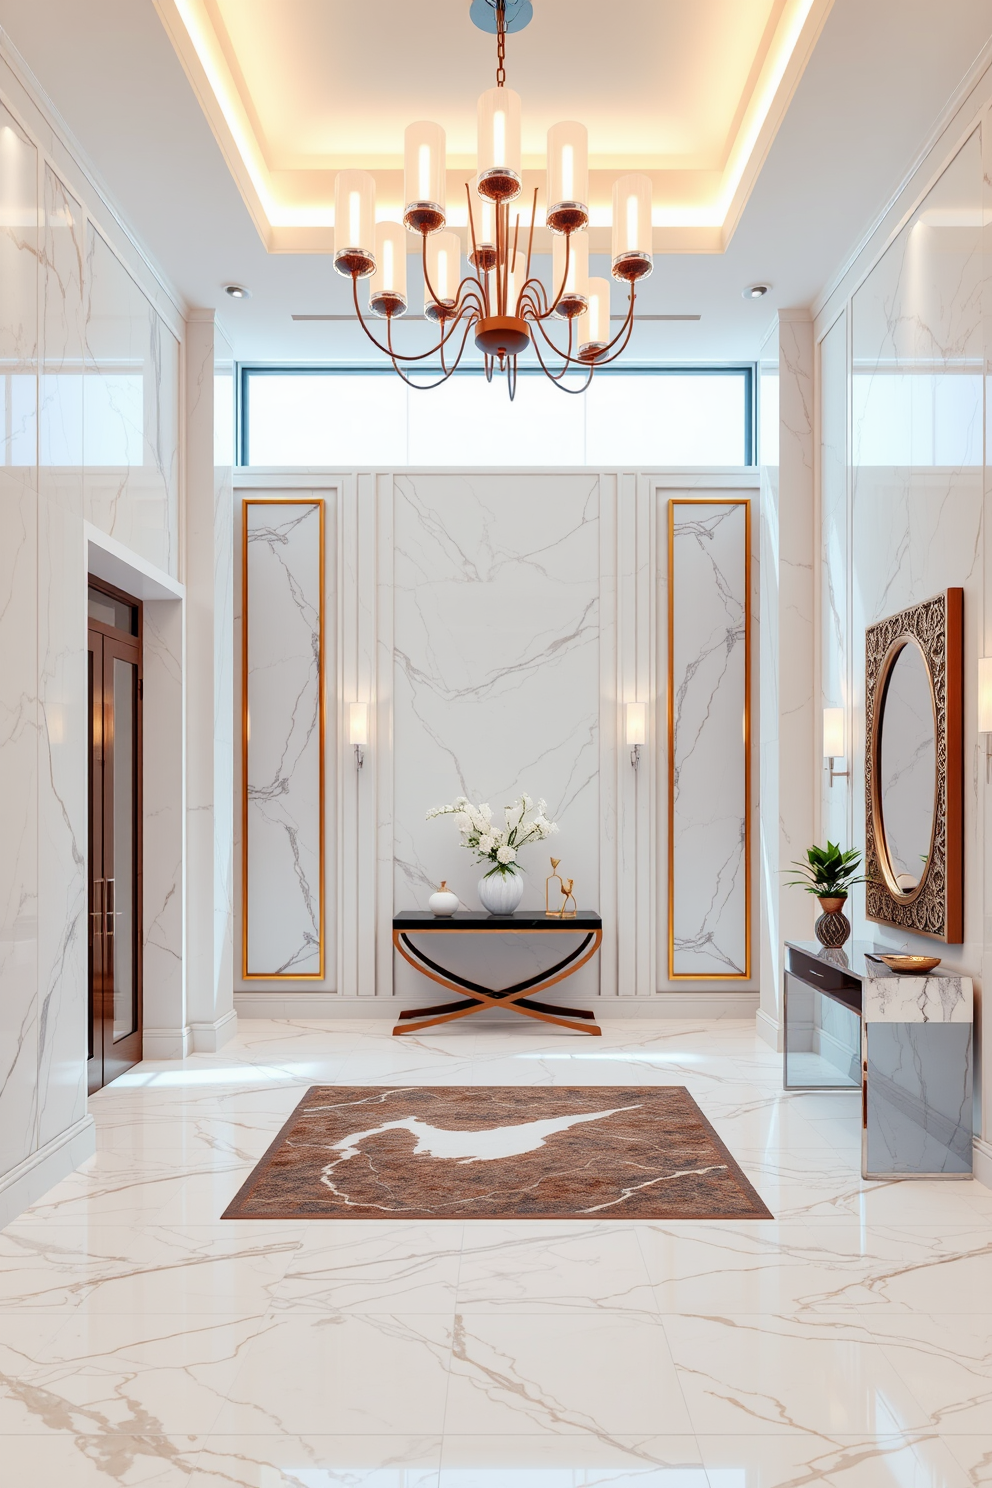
[
  {"x": 122, "y": 887},
  {"x": 111, "y": 611}
]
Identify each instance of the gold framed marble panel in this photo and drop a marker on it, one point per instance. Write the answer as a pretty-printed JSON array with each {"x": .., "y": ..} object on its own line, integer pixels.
[
  {"x": 283, "y": 910},
  {"x": 709, "y": 739}
]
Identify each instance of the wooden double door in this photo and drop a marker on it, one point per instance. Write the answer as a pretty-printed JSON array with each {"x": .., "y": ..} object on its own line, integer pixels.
[{"x": 115, "y": 931}]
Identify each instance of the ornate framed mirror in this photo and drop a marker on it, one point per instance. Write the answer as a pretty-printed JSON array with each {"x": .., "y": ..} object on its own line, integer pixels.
[{"x": 914, "y": 777}]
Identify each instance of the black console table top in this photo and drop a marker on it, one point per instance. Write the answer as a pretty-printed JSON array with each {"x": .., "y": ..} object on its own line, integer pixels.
[{"x": 410, "y": 920}]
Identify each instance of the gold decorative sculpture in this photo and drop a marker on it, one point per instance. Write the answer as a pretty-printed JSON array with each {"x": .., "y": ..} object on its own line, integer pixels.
[
  {"x": 565, "y": 913},
  {"x": 555, "y": 876}
]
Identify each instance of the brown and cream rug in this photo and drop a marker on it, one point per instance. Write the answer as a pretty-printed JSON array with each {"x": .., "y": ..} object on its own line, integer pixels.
[{"x": 497, "y": 1152}]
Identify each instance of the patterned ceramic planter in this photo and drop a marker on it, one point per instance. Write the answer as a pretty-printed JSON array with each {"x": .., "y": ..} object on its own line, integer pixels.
[{"x": 501, "y": 894}]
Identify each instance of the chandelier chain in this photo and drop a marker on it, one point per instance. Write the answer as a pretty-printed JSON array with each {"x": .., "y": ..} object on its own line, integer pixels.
[{"x": 500, "y": 43}]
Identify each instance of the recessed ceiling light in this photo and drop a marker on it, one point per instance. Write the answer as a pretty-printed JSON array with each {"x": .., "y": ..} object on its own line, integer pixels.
[
  {"x": 237, "y": 291},
  {"x": 755, "y": 291}
]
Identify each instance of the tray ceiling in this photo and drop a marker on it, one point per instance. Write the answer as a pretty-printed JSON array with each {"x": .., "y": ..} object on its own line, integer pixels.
[{"x": 296, "y": 90}]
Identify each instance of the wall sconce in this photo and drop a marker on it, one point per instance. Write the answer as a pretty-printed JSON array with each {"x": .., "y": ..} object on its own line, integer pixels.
[
  {"x": 358, "y": 730},
  {"x": 985, "y": 709},
  {"x": 636, "y": 729},
  {"x": 833, "y": 742}
]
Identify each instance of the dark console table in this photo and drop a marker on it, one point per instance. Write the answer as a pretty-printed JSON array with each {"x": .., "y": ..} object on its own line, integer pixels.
[{"x": 518, "y": 998}]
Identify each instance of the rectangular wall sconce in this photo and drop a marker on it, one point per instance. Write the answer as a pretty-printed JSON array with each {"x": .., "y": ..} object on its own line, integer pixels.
[
  {"x": 985, "y": 709},
  {"x": 358, "y": 730},
  {"x": 833, "y": 742},
  {"x": 636, "y": 729}
]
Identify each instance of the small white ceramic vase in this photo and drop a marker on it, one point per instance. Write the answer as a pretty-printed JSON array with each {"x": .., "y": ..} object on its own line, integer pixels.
[
  {"x": 501, "y": 894},
  {"x": 444, "y": 902}
]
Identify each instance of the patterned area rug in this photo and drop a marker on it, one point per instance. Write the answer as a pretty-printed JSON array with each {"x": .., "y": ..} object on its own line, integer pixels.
[{"x": 497, "y": 1152}]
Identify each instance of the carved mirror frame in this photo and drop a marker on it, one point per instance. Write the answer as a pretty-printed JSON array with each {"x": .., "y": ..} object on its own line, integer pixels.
[{"x": 935, "y": 907}]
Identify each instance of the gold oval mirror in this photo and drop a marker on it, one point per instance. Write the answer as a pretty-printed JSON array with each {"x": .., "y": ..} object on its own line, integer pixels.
[{"x": 905, "y": 768}]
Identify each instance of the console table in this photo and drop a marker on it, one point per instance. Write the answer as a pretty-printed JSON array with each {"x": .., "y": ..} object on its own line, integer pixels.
[
  {"x": 412, "y": 922},
  {"x": 904, "y": 1041}
]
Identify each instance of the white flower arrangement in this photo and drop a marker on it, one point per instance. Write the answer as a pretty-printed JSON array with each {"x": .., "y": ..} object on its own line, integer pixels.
[{"x": 498, "y": 845}]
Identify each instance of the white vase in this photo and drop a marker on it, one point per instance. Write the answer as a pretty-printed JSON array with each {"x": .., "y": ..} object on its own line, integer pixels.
[
  {"x": 444, "y": 903},
  {"x": 502, "y": 893}
]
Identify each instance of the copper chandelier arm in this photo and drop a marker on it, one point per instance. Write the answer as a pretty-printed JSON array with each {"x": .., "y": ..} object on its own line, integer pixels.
[
  {"x": 426, "y": 387},
  {"x": 571, "y": 360},
  {"x": 624, "y": 332},
  {"x": 556, "y": 378},
  {"x": 411, "y": 356}
]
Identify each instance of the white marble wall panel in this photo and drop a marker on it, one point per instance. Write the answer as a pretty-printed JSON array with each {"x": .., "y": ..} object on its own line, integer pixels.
[
  {"x": 130, "y": 412},
  {"x": 917, "y": 476},
  {"x": 62, "y": 802},
  {"x": 709, "y": 752},
  {"x": 19, "y": 254},
  {"x": 835, "y": 589},
  {"x": 283, "y": 850},
  {"x": 789, "y": 733},
  {"x": 164, "y": 989},
  {"x": 496, "y": 682}
]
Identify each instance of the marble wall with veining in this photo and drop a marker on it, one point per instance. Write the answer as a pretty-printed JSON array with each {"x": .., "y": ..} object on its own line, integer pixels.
[
  {"x": 710, "y": 743},
  {"x": 91, "y": 433},
  {"x": 904, "y": 480},
  {"x": 496, "y": 623},
  {"x": 914, "y": 508},
  {"x": 283, "y": 665}
]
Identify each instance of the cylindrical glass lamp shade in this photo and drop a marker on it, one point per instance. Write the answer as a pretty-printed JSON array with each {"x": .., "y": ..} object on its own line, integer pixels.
[
  {"x": 354, "y": 223},
  {"x": 573, "y": 299},
  {"x": 444, "y": 261},
  {"x": 632, "y": 237},
  {"x": 387, "y": 287},
  {"x": 483, "y": 257},
  {"x": 568, "y": 177},
  {"x": 424, "y": 168},
  {"x": 499, "y": 144},
  {"x": 594, "y": 325}
]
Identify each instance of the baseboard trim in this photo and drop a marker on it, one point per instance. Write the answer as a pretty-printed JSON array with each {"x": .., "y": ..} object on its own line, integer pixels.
[
  {"x": 165, "y": 1043},
  {"x": 207, "y": 1038},
  {"x": 982, "y": 1157},
  {"x": 327, "y": 1005},
  {"x": 25, "y": 1184},
  {"x": 769, "y": 1029}
]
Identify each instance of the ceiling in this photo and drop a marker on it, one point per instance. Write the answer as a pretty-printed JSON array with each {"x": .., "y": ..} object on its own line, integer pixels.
[
  {"x": 295, "y": 90},
  {"x": 881, "y": 72}
]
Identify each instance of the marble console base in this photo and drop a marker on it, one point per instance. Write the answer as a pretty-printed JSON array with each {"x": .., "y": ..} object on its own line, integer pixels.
[
  {"x": 26, "y": 1183},
  {"x": 919, "y": 1115},
  {"x": 329, "y": 1005}
]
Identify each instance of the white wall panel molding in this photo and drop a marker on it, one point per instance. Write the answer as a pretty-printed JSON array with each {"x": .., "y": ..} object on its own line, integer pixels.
[
  {"x": 495, "y": 622},
  {"x": 283, "y": 788},
  {"x": 709, "y": 738}
]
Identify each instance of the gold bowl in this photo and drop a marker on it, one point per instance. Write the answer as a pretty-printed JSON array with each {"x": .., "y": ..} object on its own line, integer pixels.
[{"x": 918, "y": 964}]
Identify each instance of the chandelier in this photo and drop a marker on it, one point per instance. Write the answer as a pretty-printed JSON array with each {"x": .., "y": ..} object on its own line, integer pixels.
[{"x": 500, "y": 304}]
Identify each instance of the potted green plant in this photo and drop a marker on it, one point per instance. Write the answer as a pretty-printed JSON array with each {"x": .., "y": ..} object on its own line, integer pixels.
[{"x": 829, "y": 874}]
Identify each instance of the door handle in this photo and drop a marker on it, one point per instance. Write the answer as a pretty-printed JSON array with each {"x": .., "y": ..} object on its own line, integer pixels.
[
  {"x": 97, "y": 915},
  {"x": 111, "y": 905}
]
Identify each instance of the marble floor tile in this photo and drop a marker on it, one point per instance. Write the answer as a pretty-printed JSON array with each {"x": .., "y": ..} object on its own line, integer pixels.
[
  {"x": 602, "y": 1461},
  {"x": 763, "y": 1374},
  {"x": 560, "y": 1373},
  {"x": 286, "y": 1460},
  {"x": 72, "y": 1460},
  {"x": 361, "y": 1374},
  {"x": 534, "y": 1268},
  {"x": 143, "y": 1340},
  {"x": 896, "y": 1460},
  {"x": 358, "y": 1267}
]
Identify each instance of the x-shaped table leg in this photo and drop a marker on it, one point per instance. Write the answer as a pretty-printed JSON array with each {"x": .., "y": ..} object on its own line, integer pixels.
[{"x": 516, "y": 998}]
